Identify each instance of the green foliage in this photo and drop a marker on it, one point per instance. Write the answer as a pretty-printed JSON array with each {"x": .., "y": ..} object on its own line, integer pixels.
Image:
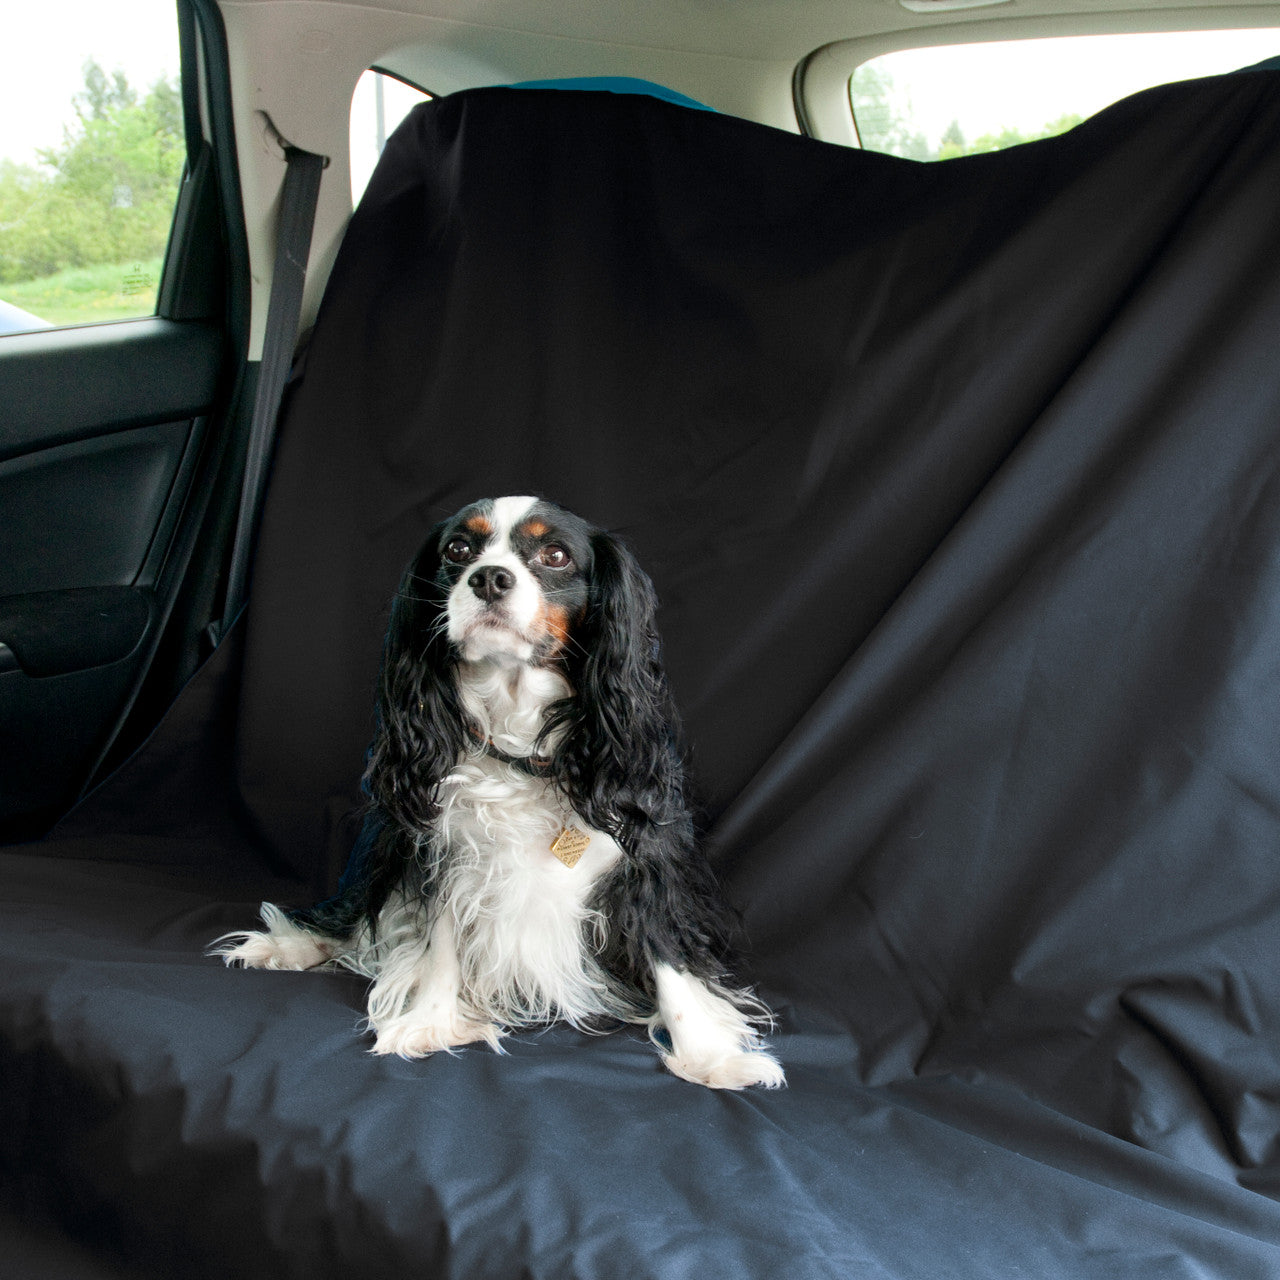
[
  {"x": 953, "y": 143},
  {"x": 883, "y": 122},
  {"x": 106, "y": 194},
  {"x": 84, "y": 295},
  {"x": 883, "y": 117}
]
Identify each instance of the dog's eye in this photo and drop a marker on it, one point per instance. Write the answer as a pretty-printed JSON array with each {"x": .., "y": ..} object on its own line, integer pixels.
[
  {"x": 554, "y": 557},
  {"x": 458, "y": 550}
]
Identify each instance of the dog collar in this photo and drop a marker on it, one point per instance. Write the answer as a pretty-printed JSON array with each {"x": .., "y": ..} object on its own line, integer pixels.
[{"x": 534, "y": 766}]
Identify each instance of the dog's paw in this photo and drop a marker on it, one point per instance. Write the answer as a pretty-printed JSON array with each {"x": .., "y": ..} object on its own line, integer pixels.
[
  {"x": 264, "y": 951},
  {"x": 282, "y": 945},
  {"x": 738, "y": 1070},
  {"x": 417, "y": 1035}
]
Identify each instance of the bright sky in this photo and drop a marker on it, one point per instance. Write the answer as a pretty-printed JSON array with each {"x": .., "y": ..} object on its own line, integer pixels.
[
  {"x": 1029, "y": 84},
  {"x": 44, "y": 45}
]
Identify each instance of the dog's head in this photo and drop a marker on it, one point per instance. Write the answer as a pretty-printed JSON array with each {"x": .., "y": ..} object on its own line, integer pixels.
[
  {"x": 516, "y": 577},
  {"x": 520, "y": 581}
]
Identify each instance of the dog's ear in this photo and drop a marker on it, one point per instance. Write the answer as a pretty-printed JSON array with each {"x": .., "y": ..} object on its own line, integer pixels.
[
  {"x": 421, "y": 726},
  {"x": 618, "y": 753}
]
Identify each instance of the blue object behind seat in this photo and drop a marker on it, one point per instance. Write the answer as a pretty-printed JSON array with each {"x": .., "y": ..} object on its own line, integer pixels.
[{"x": 616, "y": 84}]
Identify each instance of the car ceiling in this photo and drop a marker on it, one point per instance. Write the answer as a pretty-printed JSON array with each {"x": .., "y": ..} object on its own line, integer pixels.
[{"x": 767, "y": 30}]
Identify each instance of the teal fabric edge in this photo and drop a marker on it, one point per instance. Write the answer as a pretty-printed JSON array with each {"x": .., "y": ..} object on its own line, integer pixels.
[{"x": 615, "y": 84}]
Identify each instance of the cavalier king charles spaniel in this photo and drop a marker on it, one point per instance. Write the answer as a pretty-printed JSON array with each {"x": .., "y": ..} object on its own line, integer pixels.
[{"x": 528, "y": 853}]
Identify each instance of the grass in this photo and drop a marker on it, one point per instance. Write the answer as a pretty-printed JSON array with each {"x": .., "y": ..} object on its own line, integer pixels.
[{"x": 81, "y": 295}]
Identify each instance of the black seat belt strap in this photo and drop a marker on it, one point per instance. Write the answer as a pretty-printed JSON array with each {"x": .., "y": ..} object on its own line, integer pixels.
[{"x": 298, "y": 198}]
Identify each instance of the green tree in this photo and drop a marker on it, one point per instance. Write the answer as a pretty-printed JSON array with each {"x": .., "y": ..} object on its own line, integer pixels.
[
  {"x": 1015, "y": 137},
  {"x": 106, "y": 194},
  {"x": 103, "y": 94},
  {"x": 952, "y": 143},
  {"x": 882, "y": 118}
]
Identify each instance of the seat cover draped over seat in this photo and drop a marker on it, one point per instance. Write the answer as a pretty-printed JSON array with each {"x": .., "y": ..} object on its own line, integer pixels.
[{"x": 958, "y": 484}]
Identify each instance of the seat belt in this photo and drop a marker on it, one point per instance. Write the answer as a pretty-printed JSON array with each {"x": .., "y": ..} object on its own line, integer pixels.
[{"x": 298, "y": 198}]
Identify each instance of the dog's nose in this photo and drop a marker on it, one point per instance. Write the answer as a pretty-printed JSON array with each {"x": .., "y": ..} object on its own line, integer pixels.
[{"x": 491, "y": 582}]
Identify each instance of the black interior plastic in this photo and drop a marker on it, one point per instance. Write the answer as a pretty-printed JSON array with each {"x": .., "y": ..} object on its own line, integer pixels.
[
  {"x": 61, "y": 385},
  {"x": 85, "y": 514},
  {"x": 53, "y": 633},
  {"x": 103, "y": 432}
]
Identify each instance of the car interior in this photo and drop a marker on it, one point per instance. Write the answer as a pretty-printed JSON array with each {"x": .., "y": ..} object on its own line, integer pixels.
[{"x": 949, "y": 443}]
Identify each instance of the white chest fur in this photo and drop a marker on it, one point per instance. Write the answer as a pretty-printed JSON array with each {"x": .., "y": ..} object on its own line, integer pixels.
[{"x": 521, "y": 918}]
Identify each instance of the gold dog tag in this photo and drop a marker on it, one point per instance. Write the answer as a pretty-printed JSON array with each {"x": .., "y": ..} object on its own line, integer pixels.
[{"x": 568, "y": 846}]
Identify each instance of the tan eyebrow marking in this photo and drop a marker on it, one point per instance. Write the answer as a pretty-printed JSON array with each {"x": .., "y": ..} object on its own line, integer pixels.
[
  {"x": 534, "y": 529},
  {"x": 478, "y": 524}
]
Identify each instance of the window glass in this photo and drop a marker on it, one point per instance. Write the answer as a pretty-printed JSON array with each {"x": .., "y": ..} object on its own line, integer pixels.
[
  {"x": 935, "y": 104},
  {"x": 91, "y": 154},
  {"x": 379, "y": 103}
]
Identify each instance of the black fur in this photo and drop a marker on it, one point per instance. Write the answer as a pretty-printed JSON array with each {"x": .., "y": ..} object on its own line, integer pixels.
[
  {"x": 618, "y": 762},
  {"x": 620, "y": 766}
]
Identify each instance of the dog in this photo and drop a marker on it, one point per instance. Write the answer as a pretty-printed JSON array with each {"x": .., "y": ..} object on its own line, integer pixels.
[{"x": 528, "y": 853}]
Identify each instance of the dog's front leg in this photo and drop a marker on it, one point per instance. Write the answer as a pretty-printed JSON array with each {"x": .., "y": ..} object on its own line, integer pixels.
[
  {"x": 712, "y": 1041},
  {"x": 415, "y": 1005}
]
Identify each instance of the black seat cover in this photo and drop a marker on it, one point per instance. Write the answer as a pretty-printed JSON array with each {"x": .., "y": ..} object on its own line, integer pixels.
[{"x": 958, "y": 484}]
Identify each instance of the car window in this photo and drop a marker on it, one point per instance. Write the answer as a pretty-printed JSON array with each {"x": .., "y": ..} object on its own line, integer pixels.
[
  {"x": 956, "y": 100},
  {"x": 379, "y": 103},
  {"x": 91, "y": 155}
]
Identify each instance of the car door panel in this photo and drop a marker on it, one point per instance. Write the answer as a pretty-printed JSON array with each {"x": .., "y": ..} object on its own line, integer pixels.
[
  {"x": 52, "y": 726},
  {"x": 99, "y": 438},
  {"x": 85, "y": 514},
  {"x": 60, "y": 385}
]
